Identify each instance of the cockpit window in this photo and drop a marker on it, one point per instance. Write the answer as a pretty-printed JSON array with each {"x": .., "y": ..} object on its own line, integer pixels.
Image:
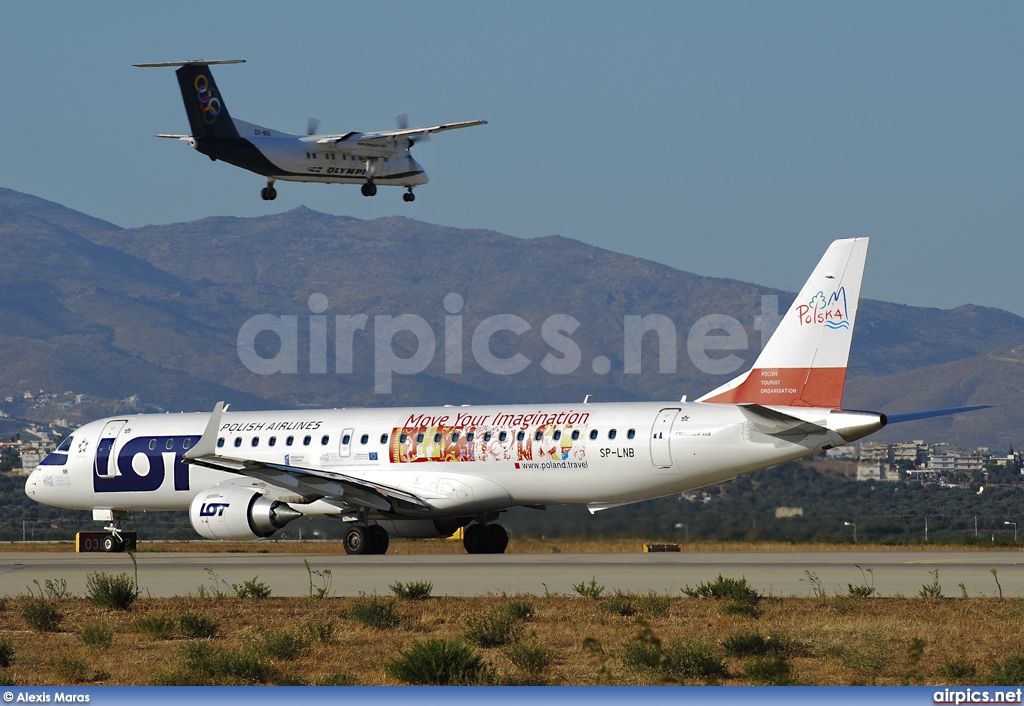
[{"x": 66, "y": 444}]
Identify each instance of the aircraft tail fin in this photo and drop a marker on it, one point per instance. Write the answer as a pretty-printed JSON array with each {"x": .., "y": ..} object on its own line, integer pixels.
[
  {"x": 804, "y": 363},
  {"x": 207, "y": 112}
]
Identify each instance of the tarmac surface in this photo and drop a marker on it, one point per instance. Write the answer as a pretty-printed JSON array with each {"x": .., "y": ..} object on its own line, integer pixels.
[{"x": 776, "y": 573}]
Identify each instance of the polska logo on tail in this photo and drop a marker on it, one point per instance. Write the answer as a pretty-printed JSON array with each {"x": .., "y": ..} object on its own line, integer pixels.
[
  {"x": 830, "y": 311},
  {"x": 245, "y": 475}
]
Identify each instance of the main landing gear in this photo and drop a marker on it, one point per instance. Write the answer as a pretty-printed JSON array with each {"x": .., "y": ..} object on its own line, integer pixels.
[
  {"x": 366, "y": 539},
  {"x": 268, "y": 193},
  {"x": 485, "y": 539}
]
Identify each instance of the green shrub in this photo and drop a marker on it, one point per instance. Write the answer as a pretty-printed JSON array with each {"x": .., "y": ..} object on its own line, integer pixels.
[
  {"x": 97, "y": 635},
  {"x": 281, "y": 644},
  {"x": 627, "y": 603},
  {"x": 749, "y": 610},
  {"x": 237, "y": 665},
  {"x": 727, "y": 589},
  {"x": 437, "y": 662},
  {"x": 518, "y": 609},
  {"x": 6, "y": 652},
  {"x": 113, "y": 592},
  {"x": 41, "y": 614},
  {"x": 320, "y": 630},
  {"x": 756, "y": 645},
  {"x": 71, "y": 669},
  {"x": 155, "y": 626},
  {"x": 415, "y": 590},
  {"x": 773, "y": 670},
  {"x": 253, "y": 588},
  {"x": 492, "y": 629},
  {"x": 652, "y": 605},
  {"x": 619, "y": 604},
  {"x": 589, "y": 590},
  {"x": 959, "y": 672},
  {"x": 688, "y": 660},
  {"x": 1010, "y": 672},
  {"x": 530, "y": 656},
  {"x": 374, "y": 612},
  {"x": 337, "y": 679},
  {"x": 696, "y": 660},
  {"x": 197, "y": 626}
]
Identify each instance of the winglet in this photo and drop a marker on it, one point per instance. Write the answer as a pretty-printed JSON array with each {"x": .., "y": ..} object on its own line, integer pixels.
[{"x": 207, "y": 444}]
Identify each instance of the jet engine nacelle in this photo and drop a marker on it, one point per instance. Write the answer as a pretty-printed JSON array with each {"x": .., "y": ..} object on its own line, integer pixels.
[{"x": 238, "y": 513}]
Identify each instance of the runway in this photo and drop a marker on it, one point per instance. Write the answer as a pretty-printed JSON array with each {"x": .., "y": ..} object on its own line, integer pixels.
[{"x": 772, "y": 573}]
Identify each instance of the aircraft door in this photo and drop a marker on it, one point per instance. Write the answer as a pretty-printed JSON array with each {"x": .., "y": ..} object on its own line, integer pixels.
[
  {"x": 345, "y": 444},
  {"x": 661, "y": 454},
  {"x": 105, "y": 465}
]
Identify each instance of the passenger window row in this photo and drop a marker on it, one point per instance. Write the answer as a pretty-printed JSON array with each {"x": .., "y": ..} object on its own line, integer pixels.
[{"x": 365, "y": 438}]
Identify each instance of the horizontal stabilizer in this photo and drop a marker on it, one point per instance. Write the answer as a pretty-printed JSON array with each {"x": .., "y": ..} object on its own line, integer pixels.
[
  {"x": 194, "y": 62},
  {"x": 927, "y": 414},
  {"x": 776, "y": 423}
]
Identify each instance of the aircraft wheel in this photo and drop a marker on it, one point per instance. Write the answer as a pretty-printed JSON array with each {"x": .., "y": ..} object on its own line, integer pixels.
[
  {"x": 369, "y": 189},
  {"x": 476, "y": 539},
  {"x": 357, "y": 540},
  {"x": 409, "y": 197},
  {"x": 271, "y": 193},
  {"x": 263, "y": 194},
  {"x": 379, "y": 540},
  {"x": 498, "y": 539},
  {"x": 112, "y": 545}
]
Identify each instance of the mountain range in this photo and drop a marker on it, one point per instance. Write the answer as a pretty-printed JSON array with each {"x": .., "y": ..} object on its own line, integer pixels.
[{"x": 156, "y": 312}]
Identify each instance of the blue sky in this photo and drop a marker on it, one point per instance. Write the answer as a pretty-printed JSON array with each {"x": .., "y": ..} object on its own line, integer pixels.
[{"x": 725, "y": 138}]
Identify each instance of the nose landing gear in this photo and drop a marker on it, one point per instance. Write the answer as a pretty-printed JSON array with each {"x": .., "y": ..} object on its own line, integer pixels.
[
  {"x": 268, "y": 193},
  {"x": 369, "y": 189},
  {"x": 408, "y": 196}
]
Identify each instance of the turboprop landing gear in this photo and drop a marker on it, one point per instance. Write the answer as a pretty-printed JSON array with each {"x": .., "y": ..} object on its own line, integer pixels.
[
  {"x": 485, "y": 539},
  {"x": 408, "y": 196},
  {"x": 366, "y": 539},
  {"x": 268, "y": 193},
  {"x": 369, "y": 189}
]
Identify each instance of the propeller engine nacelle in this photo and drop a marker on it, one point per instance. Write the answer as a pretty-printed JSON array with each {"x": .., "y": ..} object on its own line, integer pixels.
[{"x": 238, "y": 513}]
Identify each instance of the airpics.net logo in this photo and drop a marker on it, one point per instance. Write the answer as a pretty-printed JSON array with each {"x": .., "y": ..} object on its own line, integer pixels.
[{"x": 711, "y": 342}]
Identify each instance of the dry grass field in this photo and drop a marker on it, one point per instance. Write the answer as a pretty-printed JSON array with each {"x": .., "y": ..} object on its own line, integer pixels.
[{"x": 578, "y": 640}]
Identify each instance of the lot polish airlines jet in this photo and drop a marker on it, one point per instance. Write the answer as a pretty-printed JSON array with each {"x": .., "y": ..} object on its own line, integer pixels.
[
  {"x": 425, "y": 472},
  {"x": 367, "y": 158}
]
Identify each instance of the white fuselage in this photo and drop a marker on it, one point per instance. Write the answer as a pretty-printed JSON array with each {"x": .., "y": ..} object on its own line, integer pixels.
[{"x": 460, "y": 460}]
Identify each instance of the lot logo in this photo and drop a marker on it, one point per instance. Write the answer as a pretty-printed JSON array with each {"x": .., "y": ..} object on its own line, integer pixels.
[
  {"x": 828, "y": 310},
  {"x": 213, "y": 509},
  {"x": 142, "y": 464}
]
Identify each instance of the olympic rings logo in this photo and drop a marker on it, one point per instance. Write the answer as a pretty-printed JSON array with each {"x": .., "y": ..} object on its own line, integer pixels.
[{"x": 209, "y": 104}]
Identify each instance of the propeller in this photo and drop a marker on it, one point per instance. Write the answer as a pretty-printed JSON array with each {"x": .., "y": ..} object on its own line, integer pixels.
[
  {"x": 402, "y": 119},
  {"x": 312, "y": 125}
]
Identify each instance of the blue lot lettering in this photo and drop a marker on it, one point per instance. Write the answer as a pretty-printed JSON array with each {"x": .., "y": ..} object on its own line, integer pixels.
[
  {"x": 213, "y": 509},
  {"x": 140, "y": 468}
]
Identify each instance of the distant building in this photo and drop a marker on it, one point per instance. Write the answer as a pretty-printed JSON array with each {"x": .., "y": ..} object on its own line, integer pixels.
[
  {"x": 847, "y": 452},
  {"x": 871, "y": 451}
]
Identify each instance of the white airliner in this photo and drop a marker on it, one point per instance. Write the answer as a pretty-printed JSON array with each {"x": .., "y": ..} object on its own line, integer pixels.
[
  {"x": 426, "y": 471},
  {"x": 368, "y": 158}
]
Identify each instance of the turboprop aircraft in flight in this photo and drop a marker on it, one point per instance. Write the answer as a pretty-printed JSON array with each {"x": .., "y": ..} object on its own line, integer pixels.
[
  {"x": 369, "y": 158},
  {"x": 427, "y": 471}
]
